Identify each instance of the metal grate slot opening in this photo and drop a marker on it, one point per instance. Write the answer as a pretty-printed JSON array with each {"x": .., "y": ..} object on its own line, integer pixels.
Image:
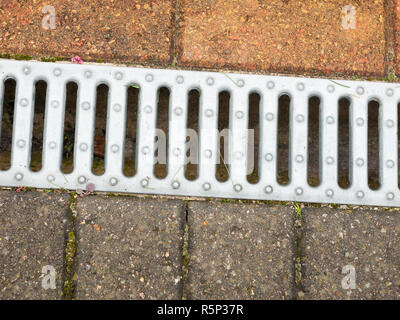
[
  {"x": 36, "y": 150},
  {"x": 162, "y": 133},
  {"x": 67, "y": 165},
  {"x": 284, "y": 106},
  {"x": 373, "y": 145},
  {"x": 192, "y": 159},
  {"x": 314, "y": 131},
  {"x": 132, "y": 105},
  {"x": 7, "y": 104},
  {"x": 222, "y": 168},
  {"x": 102, "y": 92},
  {"x": 344, "y": 145},
  {"x": 253, "y": 139}
]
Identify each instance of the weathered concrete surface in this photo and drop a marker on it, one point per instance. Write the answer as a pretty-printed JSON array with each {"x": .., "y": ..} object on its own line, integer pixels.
[
  {"x": 129, "y": 248},
  {"x": 284, "y": 36},
  {"x": 127, "y": 31},
  {"x": 367, "y": 240},
  {"x": 33, "y": 227},
  {"x": 240, "y": 251}
]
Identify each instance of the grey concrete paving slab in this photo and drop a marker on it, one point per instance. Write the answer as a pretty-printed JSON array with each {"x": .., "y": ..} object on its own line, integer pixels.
[
  {"x": 33, "y": 227},
  {"x": 129, "y": 248},
  {"x": 240, "y": 251},
  {"x": 350, "y": 254}
]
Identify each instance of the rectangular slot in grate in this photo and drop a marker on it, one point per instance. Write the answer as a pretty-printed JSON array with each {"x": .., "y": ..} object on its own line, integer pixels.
[{"x": 194, "y": 133}]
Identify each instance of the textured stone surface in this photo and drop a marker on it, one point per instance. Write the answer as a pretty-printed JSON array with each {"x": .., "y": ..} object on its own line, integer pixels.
[
  {"x": 129, "y": 248},
  {"x": 128, "y": 31},
  {"x": 240, "y": 251},
  {"x": 33, "y": 227},
  {"x": 367, "y": 240},
  {"x": 283, "y": 36}
]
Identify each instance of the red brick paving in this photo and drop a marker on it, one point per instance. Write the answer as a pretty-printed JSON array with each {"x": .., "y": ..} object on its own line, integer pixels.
[
  {"x": 283, "y": 36},
  {"x": 110, "y": 30},
  {"x": 396, "y": 27}
]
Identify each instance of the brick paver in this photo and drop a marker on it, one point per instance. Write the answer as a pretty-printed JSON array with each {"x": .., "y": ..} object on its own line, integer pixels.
[
  {"x": 368, "y": 241},
  {"x": 240, "y": 251},
  {"x": 129, "y": 248},
  {"x": 283, "y": 36},
  {"x": 33, "y": 228},
  {"x": 128, "y": 31},
  {"x": 396, "y": 28}
]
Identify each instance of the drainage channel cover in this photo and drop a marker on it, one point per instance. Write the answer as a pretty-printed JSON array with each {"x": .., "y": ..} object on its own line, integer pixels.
[{"x": 245, "y": 147}]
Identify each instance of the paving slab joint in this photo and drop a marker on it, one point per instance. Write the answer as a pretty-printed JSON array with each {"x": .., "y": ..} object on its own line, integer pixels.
[
  {"x": 389, "y": 35},
  {"x": 176, "y": 18},
  {"x": 298, "y": 277},
  {"x": 185, "y": 252},
  {"x": 70, "y": 252}
]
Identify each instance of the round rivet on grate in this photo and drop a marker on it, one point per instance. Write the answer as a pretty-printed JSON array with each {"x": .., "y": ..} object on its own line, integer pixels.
[
  {"x": 330, "y": 160},
  {"x": 268, "y": 189},
  {"x": 330, "y": 88},
  {"x": 144, "y": 183},
  {"x": 207, "y": 153},
  {"x": 178, "y": 111},
  {"x": 300, "y": 118},
  {"x": 209, "y": 113},
  {"x": 269, "y": 157},
  {"x": 360, "y": 122},
  {"x": 299, "y": 158},
  {"x": 19, "y": 176},
  {"x": 299, "y": 191},
  {"x": 117, "y": 107},
  {"x": 83, "y": 146},
  {"x": 330, "y": 120},
  {"x": 145, "y": 150},
  {"x": 148, "y": 109},
  {"x": 389, "y": 123},
  {"x": 270, "y": 85},
  {"x": 237, "y": 187},
  {"x": 50, "y": 178},
  {"x": 88, "y": 74},
  {"x": 149, "y": 77},
  {"x": 329, "y": 193},
  {"x": 52, "y": 145},
  {"x": 57, "y": 72},
  {"x": 210, "y": 81},
  {"x": 55, "y": 104},
  {"x": 239, "y": 114},
  {"x": 269, "y": 116},
  {"x": 24, "y": 102},
  {"x": 85, "y": 105},
  {"x": 300, "y": 86},
  {"x": 113, "y": 181},
  {"x": 389, "y": 92},
  {"x": 21, "y": 143},
  {"x": 179, "y": 79},
  {"x": 360, "y": 91},
  {"x": 360, "y": 194},
  {"x": 81, "y": 179},
  {"x": 177, "y": 152},
  {"x": 114, "y": 148},
  {"x": 390, "y": 196},
  {"x": 390, "y": 163},
  {"x": 26, "y": 70},
  {"x": 118, "y": 75},
  {"x": 206, "y": 186},
  {"x": 360, "y": 162},
  {"x": 175, "y": 184},
  {"x": 240, "y": 83}
]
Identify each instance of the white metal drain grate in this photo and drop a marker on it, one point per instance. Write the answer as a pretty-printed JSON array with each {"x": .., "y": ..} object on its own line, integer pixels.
[{"x": 209, "y": 84}]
